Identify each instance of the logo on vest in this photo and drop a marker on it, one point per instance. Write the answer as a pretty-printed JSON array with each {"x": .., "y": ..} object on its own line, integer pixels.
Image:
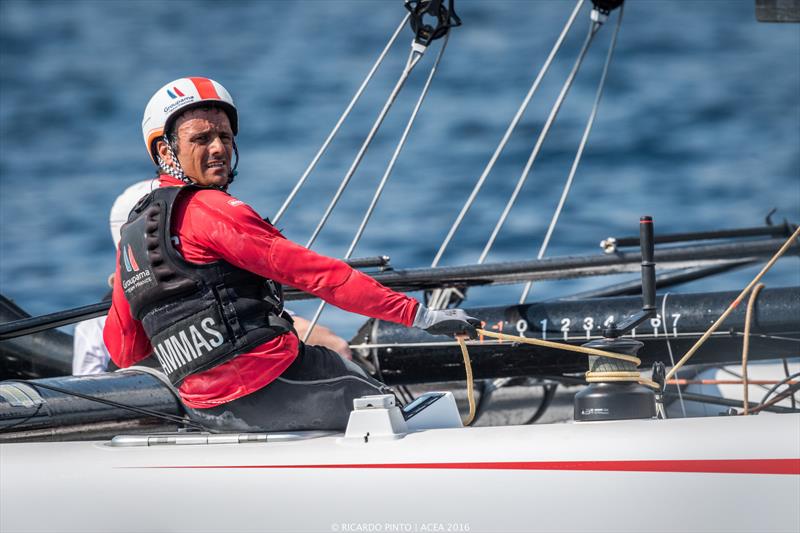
[
  {"x": 176, "y": 351},
  {"x": 130, "y": 261},
  {"x": 140, "y": 277}
]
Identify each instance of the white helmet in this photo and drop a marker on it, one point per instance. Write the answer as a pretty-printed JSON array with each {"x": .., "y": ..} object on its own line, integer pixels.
[
  {"x": 124, "y": 204},
  {"x": 176, "y": 97}
]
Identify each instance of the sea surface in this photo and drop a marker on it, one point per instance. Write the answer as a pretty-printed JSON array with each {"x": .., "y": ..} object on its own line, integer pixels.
[{"x": 699, "y": 127}]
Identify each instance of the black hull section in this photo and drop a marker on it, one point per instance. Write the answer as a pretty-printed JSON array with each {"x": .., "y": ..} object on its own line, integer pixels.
[
  {"x": 46, "y": 353},
  {"x": 30, "y": 412},
  {"x": 407, "y": 356}
]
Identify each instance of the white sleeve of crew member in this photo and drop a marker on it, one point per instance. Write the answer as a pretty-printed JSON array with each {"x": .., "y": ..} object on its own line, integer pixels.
[{"x": 90, "y": 355}]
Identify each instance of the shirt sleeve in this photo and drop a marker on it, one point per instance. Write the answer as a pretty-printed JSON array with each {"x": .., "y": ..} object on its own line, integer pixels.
[
  {"x": 235, "y": 232},
  {"x": 89, "y": 355},
  {"x": 124, "y": 336}
]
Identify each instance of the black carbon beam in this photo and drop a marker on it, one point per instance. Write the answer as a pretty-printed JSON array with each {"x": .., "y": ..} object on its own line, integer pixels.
[
  {"x": 487, "y": 274},
  {"x": 569, "y": 267},
  {"x": 405, "y": 356}
]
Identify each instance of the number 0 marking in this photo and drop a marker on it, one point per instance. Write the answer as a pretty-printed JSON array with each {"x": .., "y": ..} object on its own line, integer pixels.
[{"x": 522, "y": 327}]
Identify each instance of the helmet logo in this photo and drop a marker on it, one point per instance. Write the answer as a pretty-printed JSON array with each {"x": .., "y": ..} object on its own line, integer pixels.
[{"x": 174, "y": 93}]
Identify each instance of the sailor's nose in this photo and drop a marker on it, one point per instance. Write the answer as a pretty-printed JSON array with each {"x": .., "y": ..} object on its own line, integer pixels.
[{"x": 216, "y": 147}]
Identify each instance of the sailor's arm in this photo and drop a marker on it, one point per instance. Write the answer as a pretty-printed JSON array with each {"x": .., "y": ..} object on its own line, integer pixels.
[
  {"x": 322, "y": 336},
  {"x": 237, "y": 234},
  {"x": 124, "y": 336}
]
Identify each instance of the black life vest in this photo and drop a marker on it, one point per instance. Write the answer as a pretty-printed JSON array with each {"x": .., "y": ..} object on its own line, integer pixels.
[{"x": 197, "y": 316}]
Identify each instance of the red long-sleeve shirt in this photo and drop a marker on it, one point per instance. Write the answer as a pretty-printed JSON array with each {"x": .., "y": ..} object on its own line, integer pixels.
[{"x": 212, "y": 226}]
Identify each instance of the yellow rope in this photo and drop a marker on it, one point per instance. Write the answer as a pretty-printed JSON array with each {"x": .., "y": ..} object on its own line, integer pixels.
[
  {"x": 470, "y": 390},
  {"x": 590, "y": 376},
  {"x": 562, "y": 346},
  {"x": 594, "y": 377},
  {"x": 733, "y": 305},
  {"x": 748, "y": 319}
]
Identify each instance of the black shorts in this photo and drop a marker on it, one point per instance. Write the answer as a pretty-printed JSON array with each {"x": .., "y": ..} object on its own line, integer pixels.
[{"x": 316, "y": 392}]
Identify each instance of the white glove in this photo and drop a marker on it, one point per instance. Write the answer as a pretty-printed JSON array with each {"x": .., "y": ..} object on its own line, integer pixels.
[{"x": 446, "y": 322}]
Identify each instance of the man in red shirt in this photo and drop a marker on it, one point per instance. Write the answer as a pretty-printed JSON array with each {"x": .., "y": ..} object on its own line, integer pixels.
[{"x": 198, "y": 284}]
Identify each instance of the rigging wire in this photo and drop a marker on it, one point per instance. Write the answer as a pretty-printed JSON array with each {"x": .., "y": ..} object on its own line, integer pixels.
[
  {"x": 479, "y": 184},
  {"x": 484, "y": 342},
  {"x": 385, "y": 178},
  {"x": 576, "y": 162},
  {"x": 339, "y": 123},
  {"x": 669, "y": 349},
  {"x": 728, "y": 382},
  {"x": 415, "y": 55},
  {"x": 593, "y": 28}
]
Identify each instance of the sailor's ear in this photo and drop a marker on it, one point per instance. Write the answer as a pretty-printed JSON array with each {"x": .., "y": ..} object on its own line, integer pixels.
[{"x": 163, "y": 151}]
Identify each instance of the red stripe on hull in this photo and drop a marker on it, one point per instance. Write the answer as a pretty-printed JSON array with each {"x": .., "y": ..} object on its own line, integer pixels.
[{"x": 702, "y": 466}]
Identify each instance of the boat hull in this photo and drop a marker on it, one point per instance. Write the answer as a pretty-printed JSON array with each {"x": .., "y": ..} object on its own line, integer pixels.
[{"x": 724, "y": 473}]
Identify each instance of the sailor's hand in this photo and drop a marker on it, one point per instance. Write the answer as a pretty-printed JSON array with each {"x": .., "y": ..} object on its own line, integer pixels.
[{"x": 449, "y": 322}]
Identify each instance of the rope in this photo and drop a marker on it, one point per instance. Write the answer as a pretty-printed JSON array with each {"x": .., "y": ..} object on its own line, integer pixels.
[
  {"x": 746, "y": 343},
  {"x": 590, "y": 376},
  {"x": 579, "y": 154},
  {"x": 562, "y": 346},
  {"x": 339, "y": 123},
  {"x": 507, "y": 135},
  {"x": 470, "y": 384},
  {"x": 734, "y": 304},
  {"x": 385, "y": 178}
]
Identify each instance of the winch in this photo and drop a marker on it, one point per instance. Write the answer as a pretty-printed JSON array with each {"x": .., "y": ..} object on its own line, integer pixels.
[{"x": 614, "y": 392}]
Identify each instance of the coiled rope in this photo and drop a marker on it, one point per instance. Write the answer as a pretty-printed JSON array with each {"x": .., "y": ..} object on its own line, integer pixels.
[{"x": 590, "y": 376}]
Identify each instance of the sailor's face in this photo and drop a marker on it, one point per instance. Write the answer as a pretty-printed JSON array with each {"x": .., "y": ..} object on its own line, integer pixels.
[{"x": 205, "y": 146}]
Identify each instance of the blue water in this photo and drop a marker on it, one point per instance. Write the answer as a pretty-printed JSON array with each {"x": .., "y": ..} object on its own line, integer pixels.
[{"x": 699, "y": 127}]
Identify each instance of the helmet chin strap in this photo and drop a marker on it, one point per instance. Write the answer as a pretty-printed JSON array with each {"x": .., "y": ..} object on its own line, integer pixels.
[
  {"x": 233, "y": 171},
  {"x": 175, "y": 170}
]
